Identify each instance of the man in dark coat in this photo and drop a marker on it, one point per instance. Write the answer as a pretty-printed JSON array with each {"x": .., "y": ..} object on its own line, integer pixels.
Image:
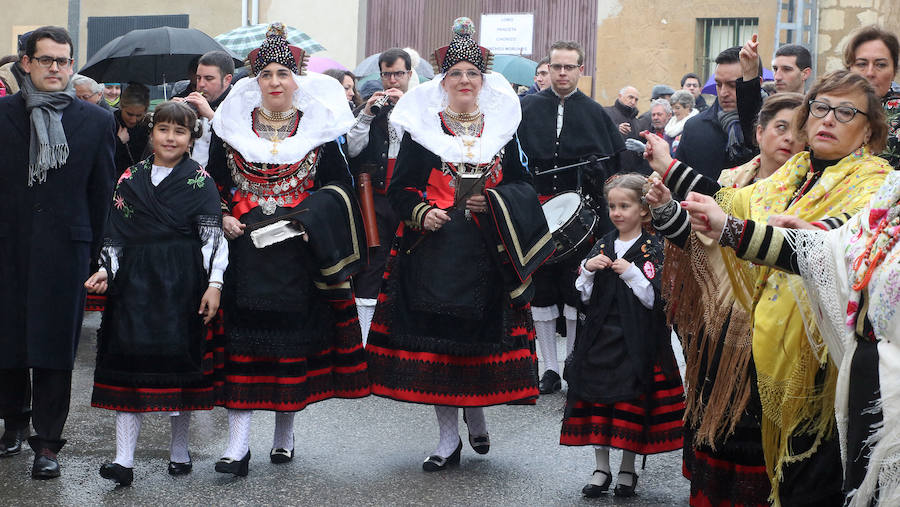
[
  {"x": 56, "y": 178},
  {"x": 562, "y": 126},
  {"x": 623, "y": 113},
  {"x": 713, "y": 140}
]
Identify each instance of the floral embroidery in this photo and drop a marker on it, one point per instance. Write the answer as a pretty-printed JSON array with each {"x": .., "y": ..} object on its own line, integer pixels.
[{"x": 120, "y": 204}]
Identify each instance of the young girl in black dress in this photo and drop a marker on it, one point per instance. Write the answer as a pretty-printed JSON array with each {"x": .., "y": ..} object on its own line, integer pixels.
[
  {"x": 162, "y": 265},
  {"x": 625, "y": 390}
]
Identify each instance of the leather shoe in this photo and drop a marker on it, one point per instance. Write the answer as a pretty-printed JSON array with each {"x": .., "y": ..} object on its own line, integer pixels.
[
  {"x": 230, "y": 466},
  {"x": 481, "y": 443},
  {"x": 181, "y": 468},
  {"x": 624, "y": 490},
  {"x": 550, "y": 382},
  {"x": 11, "y": 442},
  {"x": 46, "y": 465},
  {"x": 435, "y": 463},
  {"x": 115, "y": 472},
  {"x": 593, "y": 490},
  {"x": 279, "y": 456}
]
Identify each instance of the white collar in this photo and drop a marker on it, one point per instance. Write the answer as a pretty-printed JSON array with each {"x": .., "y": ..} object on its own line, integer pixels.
[
  {"x": 417, "y": 113},
  {"x": 325, "y": 118},
  {"x": 560, "y": 96}
]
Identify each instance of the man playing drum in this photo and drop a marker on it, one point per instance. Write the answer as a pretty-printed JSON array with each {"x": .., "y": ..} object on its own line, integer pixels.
[{"x": 562, "y": 126}]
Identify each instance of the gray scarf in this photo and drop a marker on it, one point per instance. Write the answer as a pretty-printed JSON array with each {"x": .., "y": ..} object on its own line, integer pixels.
[
  {"x": 49, "y": 148},
  {"x": 731, "y": 124}
]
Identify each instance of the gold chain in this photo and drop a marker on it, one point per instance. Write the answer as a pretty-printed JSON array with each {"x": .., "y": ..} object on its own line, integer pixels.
[{"x": 277, "y": 115}]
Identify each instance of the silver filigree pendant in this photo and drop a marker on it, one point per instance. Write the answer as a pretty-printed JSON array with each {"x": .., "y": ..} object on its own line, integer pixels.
[{"x": 268, "y": 206}]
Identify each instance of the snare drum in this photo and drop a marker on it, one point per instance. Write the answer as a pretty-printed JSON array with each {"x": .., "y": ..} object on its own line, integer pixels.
[{"x": 572, "y": 223}]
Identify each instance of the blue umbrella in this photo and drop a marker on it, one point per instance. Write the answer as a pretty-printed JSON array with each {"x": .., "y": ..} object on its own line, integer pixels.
[
  {"x": 516, "y": 69},
  {"x": 710, "y": 86}
]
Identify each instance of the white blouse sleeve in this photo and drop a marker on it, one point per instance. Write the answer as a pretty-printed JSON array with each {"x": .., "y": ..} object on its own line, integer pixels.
[
  {"x": 113, "y": 253},
  {"x": 642, "y": 288},
  {"x": 585, "y": 283},
  {"x": 219, "y": 262}
]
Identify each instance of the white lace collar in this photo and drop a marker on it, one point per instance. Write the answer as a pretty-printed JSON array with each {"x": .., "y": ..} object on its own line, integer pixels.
[
  {"x": 417, "y": 113},
  {"x": 325, "y": 118}
]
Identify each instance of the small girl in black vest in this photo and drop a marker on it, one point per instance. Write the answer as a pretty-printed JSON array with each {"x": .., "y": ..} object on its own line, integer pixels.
[{"x": 625, "y": 390}]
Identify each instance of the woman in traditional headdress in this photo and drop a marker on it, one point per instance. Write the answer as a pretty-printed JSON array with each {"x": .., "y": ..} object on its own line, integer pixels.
[
  {"x": 291, "y": 336},
  {"x": 452, "y": 327}
]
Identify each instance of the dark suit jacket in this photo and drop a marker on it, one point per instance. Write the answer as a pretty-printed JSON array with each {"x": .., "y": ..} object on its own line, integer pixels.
[
  {"x": 49, "y": 233},
  {"x": 703, "y": 143}
]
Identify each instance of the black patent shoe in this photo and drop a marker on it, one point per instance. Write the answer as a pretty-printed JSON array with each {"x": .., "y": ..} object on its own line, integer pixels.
[
  {"x": 115, "y": 472},
  {"x": 550, "y": 382},
  {"x": 230, "y": 466},
  {"x": 11, "y": 442},
  {"x": 279, "y": 456},
  {"x": 481, "y": 443},
  {"x": 46, "y": 465},
  {"x": 593, "y": 490},
  {"x": 622, "y": 489},
  {"x": 437, "y": 463},
  {"x": 181, "y": 468}
]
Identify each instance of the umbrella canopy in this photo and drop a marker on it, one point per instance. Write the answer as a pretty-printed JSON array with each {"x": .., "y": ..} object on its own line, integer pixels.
[
  {"x": 321, "y": 64},
  {"x": 710, "y": 86},
  {"x": 516, "y": 69},
  {"x": 370, "y": 66},
  {"x": 152, "y": 56},
  {"x": 242, "y": 40}
]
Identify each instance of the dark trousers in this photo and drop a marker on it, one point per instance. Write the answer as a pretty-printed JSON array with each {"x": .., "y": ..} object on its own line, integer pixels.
[{"x": 50, "y": 393}]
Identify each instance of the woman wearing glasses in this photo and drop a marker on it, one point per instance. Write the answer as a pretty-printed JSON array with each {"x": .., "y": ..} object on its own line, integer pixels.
[
  {"x": 452, "y": 327},
  {"x": 843, "y": 124}
]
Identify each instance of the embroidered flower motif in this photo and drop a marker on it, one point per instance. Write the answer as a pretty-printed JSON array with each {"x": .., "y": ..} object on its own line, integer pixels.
[
  {"x": 118, "y": 201},
  {"x": 649, "y": 270},
  {"x": 125, "y": 176}
]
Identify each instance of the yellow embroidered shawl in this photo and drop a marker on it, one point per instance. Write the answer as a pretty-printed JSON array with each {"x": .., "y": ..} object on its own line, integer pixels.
[{"x": 787, "y": 349}]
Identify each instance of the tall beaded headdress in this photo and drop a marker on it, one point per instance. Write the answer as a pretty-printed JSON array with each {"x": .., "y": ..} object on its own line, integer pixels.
[
  {"x": 276, "y": 49},
  {"x": 462, "y": 48}
]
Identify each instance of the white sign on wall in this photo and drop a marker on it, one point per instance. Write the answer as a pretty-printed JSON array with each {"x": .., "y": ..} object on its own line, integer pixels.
[{"x": 507, "y": 34}]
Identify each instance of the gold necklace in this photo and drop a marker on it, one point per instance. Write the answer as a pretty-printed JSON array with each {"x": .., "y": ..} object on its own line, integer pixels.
[
  {"x": 277, "y": 115},
  {"x": 463, "y": 118}
]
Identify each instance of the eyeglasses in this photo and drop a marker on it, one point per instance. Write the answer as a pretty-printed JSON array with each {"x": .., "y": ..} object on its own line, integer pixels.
[
  {"x": 472, "y": 74},
  {"x": 842, "y": 114},
  {"x": 556, "y": 67},
  {"x": 396, "y": 74},
  {"x": 47, "y": 61}
]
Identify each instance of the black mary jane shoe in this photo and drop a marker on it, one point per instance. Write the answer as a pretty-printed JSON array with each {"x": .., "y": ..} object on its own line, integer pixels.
[
  {"x": 622, "y": 489},
  {"x": 11, "y": 442},
  {"x": 593, "y": 490},
  {"x": 481, "y": 443},
  {"x": 550, "y": 382},
  {"x": 181, "y": 468},
  {"x": 122, "y": 476},
  {"x": 437, "y": 463},
  {"x": 46, "y": 465},
  {"x": 279, "y": 456},
  {"x": 239, "y": 468}
]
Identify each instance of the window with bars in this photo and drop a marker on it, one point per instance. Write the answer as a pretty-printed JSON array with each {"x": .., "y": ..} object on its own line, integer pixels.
[{"x": 717, "y": 34}]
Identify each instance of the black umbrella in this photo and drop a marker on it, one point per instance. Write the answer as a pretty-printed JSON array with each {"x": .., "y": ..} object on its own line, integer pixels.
[{"x": 153, "y": 56}]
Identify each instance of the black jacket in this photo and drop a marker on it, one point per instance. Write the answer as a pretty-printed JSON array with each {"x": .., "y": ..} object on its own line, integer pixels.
[
  {"x": 620, "y": 113},
  {"x": 703, "y": 144},
  {"x": 49, "y": 232}
]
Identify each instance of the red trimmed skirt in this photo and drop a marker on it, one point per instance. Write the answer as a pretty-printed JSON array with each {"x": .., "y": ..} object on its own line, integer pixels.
[
  {"x": 170, "y": 399},
  {"x": 630, "y": 425},
  {"x": 95, "y": 303},
  {"x": 289, "y": 383},
  {"x": 427, "y": 370},
  {"x": 721, "y": 482}
]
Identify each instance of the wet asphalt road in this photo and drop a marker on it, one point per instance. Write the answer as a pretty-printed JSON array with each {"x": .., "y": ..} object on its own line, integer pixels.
[{"x": 348, "y": 452}]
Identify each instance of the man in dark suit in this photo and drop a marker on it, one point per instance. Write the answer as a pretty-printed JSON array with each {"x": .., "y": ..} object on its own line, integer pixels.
[{"x": 56, "y": 179}]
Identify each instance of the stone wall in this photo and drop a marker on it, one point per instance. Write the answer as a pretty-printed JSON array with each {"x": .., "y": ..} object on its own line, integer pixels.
[{"x": 839, "y": 18}]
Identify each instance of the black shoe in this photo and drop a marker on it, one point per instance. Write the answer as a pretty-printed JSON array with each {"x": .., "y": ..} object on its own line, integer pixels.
[
  {"x": 11, "y": 442},
  {"x": 623, "y": 490},
  {"x": 115, "y": 472},
  {"x": 279, "y": 456},
  {"x": 229, "y": 466},
  {"x": 46, "y": 465},
  {"x": 594, "y": 491},
  {"x": 481, "y": 443},
  {"x": 550, "y": 382},
  {"x": 181, "y": 468},
  {"x": 437, "y": 463}
]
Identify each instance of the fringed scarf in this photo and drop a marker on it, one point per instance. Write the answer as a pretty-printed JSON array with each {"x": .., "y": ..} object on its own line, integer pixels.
[
  {"x": 788, "y": 350},
  {"x": 49, "y": 147}
]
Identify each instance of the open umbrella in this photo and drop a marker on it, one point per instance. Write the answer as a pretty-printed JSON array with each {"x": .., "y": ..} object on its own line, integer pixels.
[
  {"x": 242, "y": 40},
  {"x": 321, "y": 64},
  {"x": 516, "y": 69},
  {"x": 710, "y": 86},
  {"x": 152, "y": 56},
  {"x": 370, "y": 66}
]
